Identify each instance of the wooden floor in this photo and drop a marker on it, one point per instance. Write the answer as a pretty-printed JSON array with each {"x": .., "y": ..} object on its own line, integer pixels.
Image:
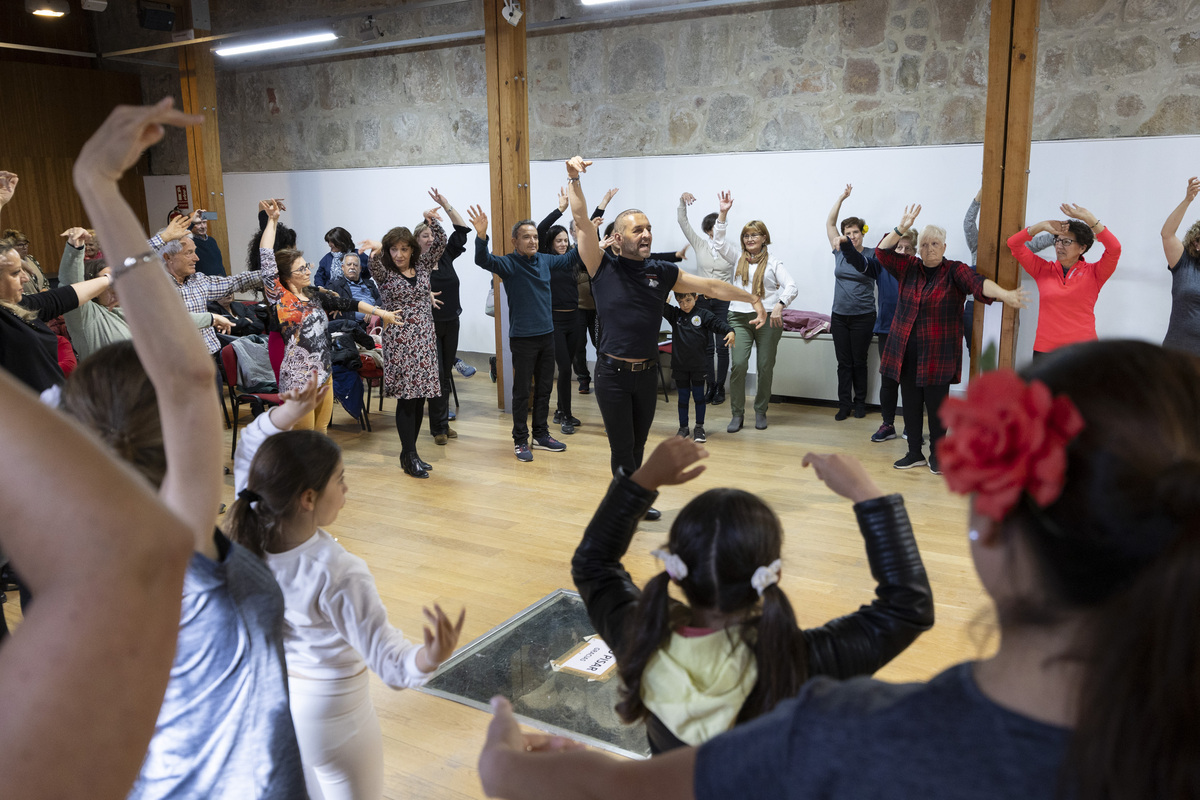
[{"x": 494, "y": 535}]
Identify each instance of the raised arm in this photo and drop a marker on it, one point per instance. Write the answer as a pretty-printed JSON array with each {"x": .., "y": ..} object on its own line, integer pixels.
[
  {"x": 710, "y": 287},
  {"x": 695, "y": 239},
  {"x": 167, "y": 342},
  {"x": 80, "y": 699},
  {"x": 908, "y": 219},
  {"x": 8, "y": 186},
  {"x": 971, "y": 224},
  {"x": 727, "y": 250},
  {"x": 831, "y": 226},
  {"x": 1172, "y": 246},
  {"x": 585, "y": 230}
]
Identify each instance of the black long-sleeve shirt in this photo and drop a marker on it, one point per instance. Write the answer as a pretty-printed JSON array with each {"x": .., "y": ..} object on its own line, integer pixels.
[
  {"x": 29, "y": 350},
  {"x": 445, "y": 280}
]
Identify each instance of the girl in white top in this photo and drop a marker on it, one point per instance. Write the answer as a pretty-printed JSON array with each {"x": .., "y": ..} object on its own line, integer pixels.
[
  {"x": 763, "y": 275},
  {"x": 290, "y": 484}
]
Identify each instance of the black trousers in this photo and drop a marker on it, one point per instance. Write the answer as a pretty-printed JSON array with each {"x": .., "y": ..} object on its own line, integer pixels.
[
  {"x": 587, "y": 319},
  {"x": 851, "y": 339},
  {"x": 889, "y": 390},
  {"x": 627, "y": 401},
  {"x": 918, "y": 399},
  {"x": 409, "y": 415},
  {"x": 446, "y": 342},
  {"x": 715, "y": 343},
  {"x": 532, "y": 360},
  {"x": 568, "y": 338}
]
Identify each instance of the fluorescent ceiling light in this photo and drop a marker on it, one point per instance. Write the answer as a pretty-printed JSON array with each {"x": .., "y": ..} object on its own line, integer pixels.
[
  {"x": 275, "y": 44},
  {"x": 47, "y": 8},
  {"x": 597, "y": 2}
]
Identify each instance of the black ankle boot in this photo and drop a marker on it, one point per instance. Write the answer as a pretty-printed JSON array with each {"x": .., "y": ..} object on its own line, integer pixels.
[{"x": 412, "y": 465}]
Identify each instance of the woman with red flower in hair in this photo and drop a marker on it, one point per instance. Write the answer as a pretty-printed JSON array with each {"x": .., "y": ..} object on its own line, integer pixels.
[{"x": 1084, "y": 477}]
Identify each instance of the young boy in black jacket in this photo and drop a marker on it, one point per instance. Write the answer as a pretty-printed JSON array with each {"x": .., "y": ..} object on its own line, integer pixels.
[{"x": 690, "y": 329}]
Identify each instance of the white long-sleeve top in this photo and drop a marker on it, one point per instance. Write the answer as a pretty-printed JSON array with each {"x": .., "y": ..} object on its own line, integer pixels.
[
  {"x": 715, "y": 257},
  {"x": 335, "y": 623},
  {"x": 778, "y": 287}
]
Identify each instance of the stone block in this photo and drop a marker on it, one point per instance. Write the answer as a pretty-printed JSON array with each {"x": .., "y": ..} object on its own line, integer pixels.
[
  {"x": 861, "y": 76},
  {"x": 729, "y": 118},
  {"x": 470, "y": 71},
  {"x": 702, "y": 54},
  {"x": 637, "y": 65},
  {"x": 789, "y": 27},
  {"x": 1109, "y": 58},
  {"x": 1186, "y": 48},
  {"x": 937, "y": 69},
  {"x": 813, "y": 77},
  {"x": 954, "y": 17},
  {"x": 961, "y": 120},
  {"x": 1129, "y": 105},
  {"x": 585, "y": 70},
  {"x": 1149, "y": 10},
  {"x": 425, "y": 76},
  {"x": 871, "y": 130},
  {"x": 406, "y": 127},
  {"x": 861, "y": 23},
  {"x": 891, "y": 45},
  {"x": 559, "y": 114},
  {"x": 366, "y": 135},
  {"x": 899, "y": 22},
  {"x": 333, "y": 137},
  {"x": 974, "y": 70},
  {"x": 470, "y": 129},
  {"x": 919, "y": 18},
  {"x": 1175, "y": 115},
  {"x": 798, "y": 129},
  {"x": 1080, "y": 119},
  {"x": 915, "y": 42},
  {"x": 908, "y": 76},
  {"x": 612, "y": 131},
  {"x": 682, "y": 127},
  {"x": 337, "y": 84},
  {"x": 775, "y": 82},
  {"x": 1053, "y": 63},
  {"x": 1073, "y": 13}
]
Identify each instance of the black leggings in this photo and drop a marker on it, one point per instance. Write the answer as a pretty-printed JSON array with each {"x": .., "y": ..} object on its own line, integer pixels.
[
  {"x": 851, "y": 341},
  {"x": 446, "y": 343},
  {"x": 587, "y": 321},
  {"x": 918, "y": 399},
  {"x": 889, "y": 390},
  {"x": 568, "y": 338},
  {"x": 409, "y": 415}
]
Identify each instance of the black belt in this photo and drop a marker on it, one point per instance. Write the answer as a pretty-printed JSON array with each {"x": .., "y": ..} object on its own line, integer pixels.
[{"x": 626, "y": 366}]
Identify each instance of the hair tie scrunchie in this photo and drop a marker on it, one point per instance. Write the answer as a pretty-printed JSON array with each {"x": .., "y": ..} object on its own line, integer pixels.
[
  {"x": 1006, "y": 438},
  {"x": 766, "y": 576},
  {"x": 672, "y": 563},
  {"x": 250, "y": 496}
]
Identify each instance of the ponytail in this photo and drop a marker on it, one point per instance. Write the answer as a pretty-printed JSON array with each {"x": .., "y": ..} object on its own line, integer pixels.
[
  {"x": 254, "y": 525},
  {"x": 780, "y": 653},
  {"x": 651, "y": 626}
]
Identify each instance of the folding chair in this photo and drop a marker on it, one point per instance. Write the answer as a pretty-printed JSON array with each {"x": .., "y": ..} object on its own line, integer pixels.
[{"x": 258, "y": 401}]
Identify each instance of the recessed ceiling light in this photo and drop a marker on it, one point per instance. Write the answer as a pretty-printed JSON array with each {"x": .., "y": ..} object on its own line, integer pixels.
[{"x": 275, "y": 44}]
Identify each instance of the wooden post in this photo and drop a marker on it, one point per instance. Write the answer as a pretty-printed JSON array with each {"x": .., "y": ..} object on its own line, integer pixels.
[
  {"x": 508, "y": 147},
  {"x": 1012, "y": 68},
  {"x": 197, "y": 79}
]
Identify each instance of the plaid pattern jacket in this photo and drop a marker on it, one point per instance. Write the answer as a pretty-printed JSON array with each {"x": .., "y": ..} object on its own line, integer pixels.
[
  {"x": 199, "y": 288},
  {"x": 931, "y": 310}
]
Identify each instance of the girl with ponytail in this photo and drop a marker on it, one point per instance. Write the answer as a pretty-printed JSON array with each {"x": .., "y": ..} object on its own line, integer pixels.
[
  {"x": 291, "y": 484},
  {"x": 1084, "y": 478},
  {"x": 735, "y": 649},
  {"x": 763, "y": 275}
]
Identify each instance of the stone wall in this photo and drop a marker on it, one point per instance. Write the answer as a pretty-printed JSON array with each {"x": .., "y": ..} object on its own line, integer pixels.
[{"x": 860, "y": 73}]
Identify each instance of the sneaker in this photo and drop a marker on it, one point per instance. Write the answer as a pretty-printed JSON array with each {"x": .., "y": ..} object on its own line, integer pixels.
[
  {"x": 464, "y": 369},
  {"x": 718, "y": 396},
  {"x": 585, "y": 386},
  {"x": 698, "y": 435},
  {"x": 884, "y": 433},
  {"x": 549, "y": 443},
  {"x": 933, "y": 465},
  {"x": 567, "y": 428},
  {"x": 451, "y": 414},
  {"x": 560, "y": 418},
  {"x": 522, "y": 452},
  {"x": 842, "y": 413},
  {"x": 909, "y": 461},
  {"x": 683, "y": 432}
]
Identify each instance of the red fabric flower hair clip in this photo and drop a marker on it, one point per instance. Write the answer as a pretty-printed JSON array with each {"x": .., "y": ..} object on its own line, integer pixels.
[{"x": 1007, "y": 437}]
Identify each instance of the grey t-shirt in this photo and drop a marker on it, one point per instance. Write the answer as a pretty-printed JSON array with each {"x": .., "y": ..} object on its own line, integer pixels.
[
  {"x": 865, "y": 739},
  {"x": 1183, "y": 331},
  {"x": 853, "y": 291},
  {"x": 225, "y": 728}
]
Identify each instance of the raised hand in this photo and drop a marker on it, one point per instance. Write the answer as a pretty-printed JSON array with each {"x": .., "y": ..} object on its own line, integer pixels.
[
  {"x": 129, "y": 130},
  {"x": 1193, "y": 188},
  {"x": 439, "y": 198},
  {"x": 687, "y": 198},
  {"x": 607, "y": 242},
  {"x": 273, "y": 206},
  {"x": 431, "y": 215},
  {"x": 1079, "y": 212},
  {"x": 724, "y": 201},
  {"x": 177, "y": 228},
  {"x": 844, "y": 475},
  {"x": 370, "y": 246},
  {"x": 75, "y": 236},
  {"x": 910, "y": 216},
  {"x": 563, "y": 202},
  {"x": 441, "y": 640},
  {"x": 846, "y": 192},
  {"x": 609, "y": 195},
  {"x": 577, "y": 166},
  {"x": 670, "y": 464},
  {"x": 8, "y": 185},
  {"x": 478, "y": 220}
]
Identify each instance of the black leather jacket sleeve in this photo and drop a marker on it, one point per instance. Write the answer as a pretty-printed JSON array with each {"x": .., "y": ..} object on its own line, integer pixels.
[
  {"x": 862, "y": 642},
  {"x": 608, "y": 592}
]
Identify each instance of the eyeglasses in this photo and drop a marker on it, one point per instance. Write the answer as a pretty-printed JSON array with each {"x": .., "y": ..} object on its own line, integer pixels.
[
  {"x": 305, "y": 268},
  {"x": 1064, "y": 241},
  {"x": 753, "y": 236}
]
